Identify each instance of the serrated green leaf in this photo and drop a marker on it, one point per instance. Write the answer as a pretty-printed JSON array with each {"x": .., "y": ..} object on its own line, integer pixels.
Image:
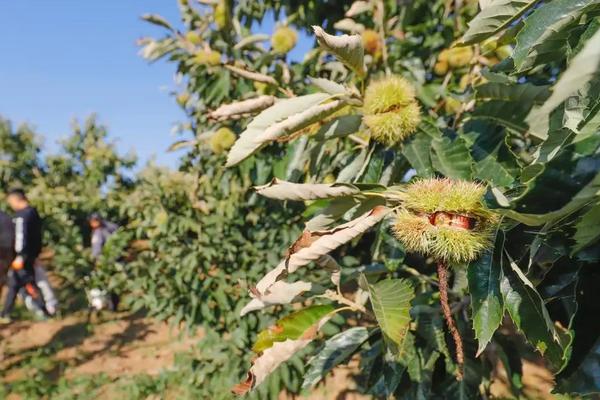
[
  {"x": 545, "y": 21},
  {"x": 486, "y": 299},
  {"x": 335, "y": 351},
  {"x": 391, "y": 299},
  {"x": 347, "y": 48},
  {"x": 451, "y": 158},
  {"x": 417, "y": 151},
  {"x": 587, "y": 228},
  {"x": 497, "y": 16},
  {"x": 292, "y": 326},
  {"x": 583, "y": 69},
  {"x": 528, "y": 311}
]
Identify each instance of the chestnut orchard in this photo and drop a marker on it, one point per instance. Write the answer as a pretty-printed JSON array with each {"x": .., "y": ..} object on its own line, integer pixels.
[{"x": 432, "y": 169}]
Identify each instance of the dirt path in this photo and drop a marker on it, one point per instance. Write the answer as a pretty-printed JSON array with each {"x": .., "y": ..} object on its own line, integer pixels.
[{"x": 122, "y": 344}]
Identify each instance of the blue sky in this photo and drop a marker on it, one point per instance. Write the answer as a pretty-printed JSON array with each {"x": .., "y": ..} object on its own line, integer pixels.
[{"x": 65, "y": 59}]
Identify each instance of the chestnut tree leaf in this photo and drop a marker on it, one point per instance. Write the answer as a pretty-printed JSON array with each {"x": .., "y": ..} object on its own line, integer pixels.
[
  {"x": 336, "y": 350},
  {"x": 347, "y": 48},
  {"x": 242, "y": 107},
  {"x": 283, "y": 118},
  {"x": 391, "y": 299}
]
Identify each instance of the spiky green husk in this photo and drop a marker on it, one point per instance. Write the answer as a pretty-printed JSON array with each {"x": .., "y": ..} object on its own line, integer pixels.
[
  {"x": 221, "y": 15},
  {"x": 448, "y": 243},
  {"x": 456, "y": 57},
  {"x": 454, "y": 244},
  {"x": 393, "y": 126},
  {"x": 388, "y": 94},
  {"x": 182, "y": 98},
  {"x": 222, "y": 140},
  {"x": 454, "y": 196},
  {"x": 193, "y": 37},
  {"x": 208, "y": 57},
  {"x": 283, "y": 40},
  {"x": 390, "y": 110}
]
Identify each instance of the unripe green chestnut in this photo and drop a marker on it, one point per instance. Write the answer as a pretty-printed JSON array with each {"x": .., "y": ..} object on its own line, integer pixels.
[{"x": 390, "y": 110}]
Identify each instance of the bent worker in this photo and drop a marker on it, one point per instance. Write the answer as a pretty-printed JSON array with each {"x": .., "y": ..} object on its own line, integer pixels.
[
  {"x": 101, "y": 231},
  {"x": 28, "y": 244}
]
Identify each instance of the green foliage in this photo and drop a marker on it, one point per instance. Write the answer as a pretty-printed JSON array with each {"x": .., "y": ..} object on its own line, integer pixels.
[
  {"x": 524, "y": 127},
  {"x": 86, "y": 175}
]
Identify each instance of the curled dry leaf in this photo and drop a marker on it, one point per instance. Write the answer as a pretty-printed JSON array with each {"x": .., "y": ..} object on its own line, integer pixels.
[
  {"x": 284, "y": 118},
  {"x": 254, "y": 76},
  {"x": 268, "y": 362},
  {"x": 323, "y": 242},
  {"x": 283, "y": 190},
  {"x": 349, "y": 25},
  {"x": 347, "y": 48},
  {"x": 252, "y": 39},
  {"x": 311, "y": 246},
  {"x": 239, "y": 108},
  {"x": 279, "y": 292},
  {"x": 358, "y": 7},
  {"x": 278, "y": 353},
  {"x": 181, "y": 144}
]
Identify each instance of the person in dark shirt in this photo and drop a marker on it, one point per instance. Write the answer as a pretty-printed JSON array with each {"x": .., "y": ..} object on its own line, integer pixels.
[
  {"x": 7, "y": 246},
  {"x": 28, "y": 245}
]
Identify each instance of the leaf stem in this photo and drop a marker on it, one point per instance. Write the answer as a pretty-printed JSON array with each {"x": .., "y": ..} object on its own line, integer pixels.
[
  {"x": 339, "y": 298},
  {"x": 442, "y": 271}
]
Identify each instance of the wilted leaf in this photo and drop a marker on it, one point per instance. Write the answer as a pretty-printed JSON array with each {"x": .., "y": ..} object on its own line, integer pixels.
[
  {"x": 181, "y": 144},
  {"x": 254, "y": 76},
  {"x": 285, "y": 117},
  {"x": 327, "y": 86},
  {"x": 242, "y": 107},
  {"x": 347, "y": 48},
  {"x": 268, "y": 361},
  {"x": 157, "y": 20},
  {"x": 358, "y": 7},
  {"x": 319, "y": 243},
  {"x": 335, "y": 351},
  {"x": 282, "y": 190},
  {"x": 294, "y": 326},
  {"x": 311, "y": 246},
  {"x": 349, "y": 25},
  {"x": 280, "y": 292}
]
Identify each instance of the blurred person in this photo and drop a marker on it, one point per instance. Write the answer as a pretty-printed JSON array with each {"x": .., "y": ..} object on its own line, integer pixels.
[
  {"x": 7, "y": 246},
  {"x": 41, "y": 279},
  {"x": 101, "y": 231},
  {"x": 28, "y": 245}
]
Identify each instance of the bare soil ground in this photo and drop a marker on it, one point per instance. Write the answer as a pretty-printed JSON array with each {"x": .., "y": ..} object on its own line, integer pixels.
[
  {"x": 123, "y": 344},
  {"x": 116, "y": 345}
]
